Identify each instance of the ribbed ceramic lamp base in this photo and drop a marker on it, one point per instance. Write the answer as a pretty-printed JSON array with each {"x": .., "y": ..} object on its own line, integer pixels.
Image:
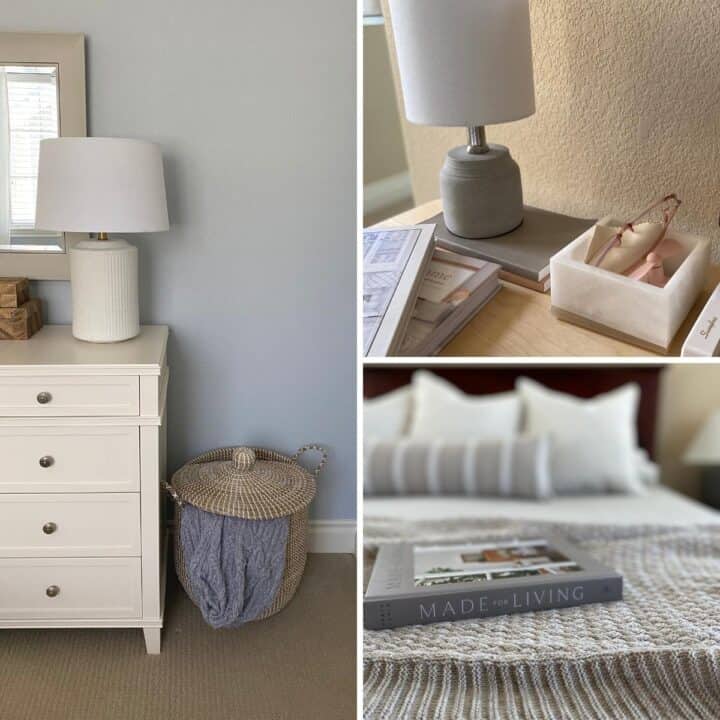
[{"x": 104, "y": 284}]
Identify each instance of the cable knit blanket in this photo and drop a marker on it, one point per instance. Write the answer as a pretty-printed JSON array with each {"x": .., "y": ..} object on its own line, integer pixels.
[
  {"x": 234, "y": 566},
  {"x": 654, "y": 655}
]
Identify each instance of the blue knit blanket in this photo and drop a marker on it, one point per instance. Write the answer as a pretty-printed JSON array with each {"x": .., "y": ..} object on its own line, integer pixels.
[{"x": 234, "y": 566}]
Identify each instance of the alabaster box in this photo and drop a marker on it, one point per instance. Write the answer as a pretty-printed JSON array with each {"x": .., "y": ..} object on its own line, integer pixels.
[{"x": 634, "y": 311}]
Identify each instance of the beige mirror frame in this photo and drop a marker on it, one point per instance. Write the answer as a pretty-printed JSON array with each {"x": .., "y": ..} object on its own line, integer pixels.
[{"x": 67, "y": 52}]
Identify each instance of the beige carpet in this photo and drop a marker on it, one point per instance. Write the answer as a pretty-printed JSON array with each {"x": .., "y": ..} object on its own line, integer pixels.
[{"x": 298, "y": 664}]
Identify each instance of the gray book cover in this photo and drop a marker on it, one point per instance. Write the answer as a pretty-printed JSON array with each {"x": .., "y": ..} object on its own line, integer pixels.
[
  {"x": 422, "y": 583},
  {"x": 526, "y": 251}
]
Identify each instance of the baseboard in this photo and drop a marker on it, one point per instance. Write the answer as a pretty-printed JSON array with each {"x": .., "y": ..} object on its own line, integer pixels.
[
  {"x": 387, "y": 192},
  {"x": 332, "y": 536}
]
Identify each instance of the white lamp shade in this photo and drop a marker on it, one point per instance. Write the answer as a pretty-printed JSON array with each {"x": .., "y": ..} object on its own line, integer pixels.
[
  {"x": 464, "y": 62},
  {"x": 100, "y": 185},
  {"x": 705, "y": 446}
]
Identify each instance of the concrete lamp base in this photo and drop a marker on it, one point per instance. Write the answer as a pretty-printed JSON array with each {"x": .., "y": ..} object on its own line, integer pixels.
[{"x": 481, "y": 193}]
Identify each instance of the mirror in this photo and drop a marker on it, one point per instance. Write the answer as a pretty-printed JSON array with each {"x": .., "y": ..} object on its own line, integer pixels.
[
  {"x": 28, "y": 114},
  {"x": 42, "y": 95}
]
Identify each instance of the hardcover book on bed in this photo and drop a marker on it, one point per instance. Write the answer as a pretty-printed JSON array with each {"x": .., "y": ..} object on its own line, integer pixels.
[{"x": 419, "y": 584}]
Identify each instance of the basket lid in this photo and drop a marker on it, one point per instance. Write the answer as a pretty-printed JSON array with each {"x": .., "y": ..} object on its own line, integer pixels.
[{"x": 245, "y": 482}]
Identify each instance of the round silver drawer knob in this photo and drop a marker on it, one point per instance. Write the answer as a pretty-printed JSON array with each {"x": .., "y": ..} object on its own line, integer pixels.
[
  {"x": 46, "y": 461},
  {"x": 49, "y": 528},
  {"x": 52, "y": 591},
  {"x": 44, "y": 398}
]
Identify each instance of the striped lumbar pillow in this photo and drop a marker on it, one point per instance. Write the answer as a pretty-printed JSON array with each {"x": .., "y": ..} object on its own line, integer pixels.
[{"x": 519, "y": 467}]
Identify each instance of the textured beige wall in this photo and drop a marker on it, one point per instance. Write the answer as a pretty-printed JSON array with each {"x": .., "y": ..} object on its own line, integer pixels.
[
  {"x": 628, "y": 108},
  {"x": 384, "y": 153},
  {"x": 688, "y": 394}
]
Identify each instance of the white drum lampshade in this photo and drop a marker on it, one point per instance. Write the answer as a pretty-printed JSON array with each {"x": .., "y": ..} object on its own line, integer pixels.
[
  {"x": 464, "y": 62},
  {"x": 705, "y": 446},
  {"x": 102, "y": 185},
  {"x": 468, "y": 63}
]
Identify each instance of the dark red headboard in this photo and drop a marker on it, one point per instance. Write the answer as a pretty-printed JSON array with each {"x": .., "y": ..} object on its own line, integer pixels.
[{"x": 585, "y": 381}]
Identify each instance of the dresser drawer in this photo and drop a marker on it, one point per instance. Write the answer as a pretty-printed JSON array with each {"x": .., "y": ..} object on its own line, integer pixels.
[
  {"x": 75, "y": 458},
  {"x": 61, "y": 396},
  {"x": 70, "y": 588},
  {"x": 92, "y": 525}
]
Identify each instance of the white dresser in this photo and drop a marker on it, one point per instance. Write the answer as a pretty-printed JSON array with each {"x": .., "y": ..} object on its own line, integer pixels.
[{"x": 82, "y": 453}]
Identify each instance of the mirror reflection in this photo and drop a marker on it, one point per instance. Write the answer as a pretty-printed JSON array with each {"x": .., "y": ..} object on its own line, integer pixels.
[{"x": 28, "y": 114}]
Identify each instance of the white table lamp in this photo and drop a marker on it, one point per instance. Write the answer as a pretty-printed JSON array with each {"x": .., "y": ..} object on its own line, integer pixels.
[
  {"x": 704, "y": 450},
  {"x": 468, "y": 63},
  {"x": 102, "y": 185}
]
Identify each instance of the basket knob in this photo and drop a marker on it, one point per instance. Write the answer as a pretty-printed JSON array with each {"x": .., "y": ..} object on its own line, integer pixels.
[{"x": 243, "y": 459}]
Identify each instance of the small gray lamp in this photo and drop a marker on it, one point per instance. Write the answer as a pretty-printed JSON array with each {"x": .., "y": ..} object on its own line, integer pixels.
[
  {"x": 468, "y": 63},
  {"x": 704, "y": 451}
]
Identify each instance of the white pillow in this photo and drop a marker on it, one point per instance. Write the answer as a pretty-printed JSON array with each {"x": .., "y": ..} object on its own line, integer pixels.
[
  {"x": 648, "y": 471},
  {"x": 594, "y": 442},
  {"x": 442, "y": 411},
  {"x": 386, "y": 417}
]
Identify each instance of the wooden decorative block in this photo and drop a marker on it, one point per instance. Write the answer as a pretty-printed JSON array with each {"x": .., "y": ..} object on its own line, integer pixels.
[
  {"x": 21, "y": 323},
  {"x": 14, "y": 292}
]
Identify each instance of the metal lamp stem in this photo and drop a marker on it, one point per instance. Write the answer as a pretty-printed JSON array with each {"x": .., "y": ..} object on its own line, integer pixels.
[{"x": 477, "y": 142}]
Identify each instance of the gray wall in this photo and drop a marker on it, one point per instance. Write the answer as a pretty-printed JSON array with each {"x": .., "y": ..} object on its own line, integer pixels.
[{"x": 254, "y": 106}]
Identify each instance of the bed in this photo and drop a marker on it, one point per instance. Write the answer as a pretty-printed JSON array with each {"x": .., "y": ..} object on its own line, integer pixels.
[
  {"x": 655, "y": 655},
  {"x": 659, "y": 505}
]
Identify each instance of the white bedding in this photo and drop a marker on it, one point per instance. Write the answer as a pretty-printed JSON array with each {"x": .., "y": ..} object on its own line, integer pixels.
[{"x": 660, "y": 505}]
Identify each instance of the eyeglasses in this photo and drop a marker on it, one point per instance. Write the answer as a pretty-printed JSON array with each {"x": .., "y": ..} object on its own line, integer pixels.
[{"x": 667, "y": 205}]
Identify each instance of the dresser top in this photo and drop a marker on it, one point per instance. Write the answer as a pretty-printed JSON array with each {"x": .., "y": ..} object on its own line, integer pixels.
[{"x": 54, "y": 350}]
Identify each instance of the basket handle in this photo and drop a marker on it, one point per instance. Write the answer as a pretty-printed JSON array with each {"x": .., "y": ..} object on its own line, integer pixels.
[
  {"x": 318, "y": 448},
  {"x": 172, "y": 492}
]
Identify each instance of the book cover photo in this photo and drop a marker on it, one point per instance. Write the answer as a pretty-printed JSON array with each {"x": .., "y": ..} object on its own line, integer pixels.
[
  {"x": 394, "y": 264},
  {"x": 417, "y": 583}
]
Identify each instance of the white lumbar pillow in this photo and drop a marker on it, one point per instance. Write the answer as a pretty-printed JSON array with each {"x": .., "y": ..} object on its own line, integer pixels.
[
  {"x": 594, "y": 442},
  {"x": 442, "y": 411},
  {"x": 386, "y": 417},
  {"x": 518, "y": 467}
]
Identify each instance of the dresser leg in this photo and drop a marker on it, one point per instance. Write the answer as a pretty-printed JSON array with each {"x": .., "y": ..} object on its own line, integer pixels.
[{"x": 152, "y": 640}]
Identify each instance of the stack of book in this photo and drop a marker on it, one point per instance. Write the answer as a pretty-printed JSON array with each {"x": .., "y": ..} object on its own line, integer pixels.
[
  {"x": 455, "y": 287},
  {"x": 416, "y": 296},
  {"x": 524, "y": 253}
]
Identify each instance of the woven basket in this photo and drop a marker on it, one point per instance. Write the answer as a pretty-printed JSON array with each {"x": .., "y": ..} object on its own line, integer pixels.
[{"x": 229, "y": 482}]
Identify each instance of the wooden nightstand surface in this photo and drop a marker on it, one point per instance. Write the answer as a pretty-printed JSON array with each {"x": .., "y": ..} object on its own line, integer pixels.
[{"x": 518, "y": 321}]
